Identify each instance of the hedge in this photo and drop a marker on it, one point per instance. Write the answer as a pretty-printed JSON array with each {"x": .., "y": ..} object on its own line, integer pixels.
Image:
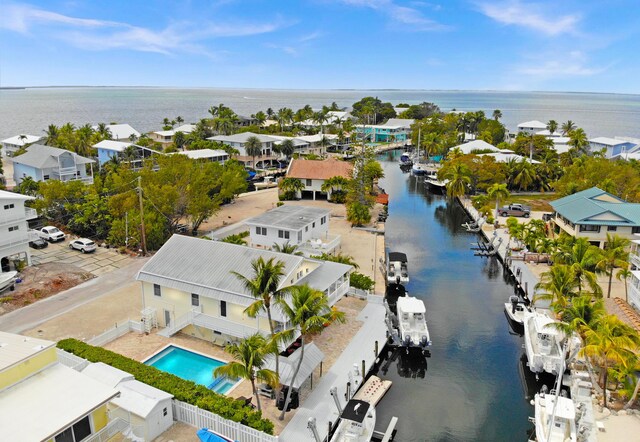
[
  {"x": 181, "y": 389},
  {"x": 360, "y": 281}
]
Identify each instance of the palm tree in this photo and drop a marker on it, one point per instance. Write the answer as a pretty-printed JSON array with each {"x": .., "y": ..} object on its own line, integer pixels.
[
  {"x": 338, "y": 257},
  {"x": 287, "y": 148},
  {"x": 179, "y": 119},
  {"x": 289, "y": 249},
  {"x": 459, "y": 177},
  {"x": 260, "y": 117},
  {"x": 294, "y": 185},
  {"x": 568, "y": 127},
  {"x": 610, "y": 341},
  {"x": 179, "y": 140},
  {"x": 578, "y": 141},
  {"x": 552, "y": 126},
  {"x": 583, "y": 258},
  {"x": 51, "y": 135},
  {"x": 579, "y": 315},
  {"x": 334, "y": 184},
  {"x": 264, "y": 286},
  {"x": 614, "y": 255},
  {"x": 308, "y": 312},
  {"x": 497, "y": 114},
  {"x": 559, "y": 284},
  {"x": 253, "y": 148},
  {"x": 497, "y": 192},
  {"x": 104, "y": 131},
  {"x": 623, "y": 274},
  {"x": 249, "y": 357},
  {"x": 526, "y": 175}
]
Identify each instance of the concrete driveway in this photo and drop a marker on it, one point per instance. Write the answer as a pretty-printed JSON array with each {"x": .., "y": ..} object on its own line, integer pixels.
[{"x": 99, "y": 262}]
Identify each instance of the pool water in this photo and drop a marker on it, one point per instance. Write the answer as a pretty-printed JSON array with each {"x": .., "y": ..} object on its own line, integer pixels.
[{"x": 193, "y": 367}]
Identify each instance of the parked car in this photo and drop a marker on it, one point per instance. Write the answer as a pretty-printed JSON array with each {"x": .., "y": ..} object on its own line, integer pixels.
[
  {"x": 83, "y": 244},
  {"x": 51, "y": 234},
  {"x": 38, "y": 243},
  {"x": 515, "y": 210}
]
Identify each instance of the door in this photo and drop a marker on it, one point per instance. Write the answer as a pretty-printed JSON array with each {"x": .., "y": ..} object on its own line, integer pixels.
[{"x": 167, "y": 318}]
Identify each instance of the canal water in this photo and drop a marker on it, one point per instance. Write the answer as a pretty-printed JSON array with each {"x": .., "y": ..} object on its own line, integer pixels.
[{"x": 470, "y": 388}]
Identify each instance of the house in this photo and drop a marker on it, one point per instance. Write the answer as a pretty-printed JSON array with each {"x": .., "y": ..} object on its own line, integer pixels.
[
  {"x": 560, "y": 144},
  {"x": 214, "y": 155},
  {"x": 302, "y": 226},
  {"x": 633, "y": 284},
  {"x": 593, "y": 213},
  {"x": 506, "y": 155},
  {"x": 124, "y": 151},
  {"x": 238, "y": 141},
  {"x": 476, "y": 146},
  {"x": 165, "y": 137},
  {"x": 532, "y": 127},
  {"x": 611, "y": 146},
  {"x": 43, "y": 163},
  {"x": 13, "y": 144},
  {"x": 14, "y": 238},
  {"x": 43, "y": 400},
  {"x": 188, "y": 285},
  {"x": 242, "y": 121},
  {"x": 147, "y": 409},
  {"x": 627, "y": 156},
  {"x": 394, "y": 130},
  {"x": 121, "y": 132},
  {"x": 317, "y": 144},
  {"x": 313, "y": 174}
]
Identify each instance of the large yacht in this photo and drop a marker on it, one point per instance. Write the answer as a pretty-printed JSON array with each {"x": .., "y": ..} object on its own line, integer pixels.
[{"x": 543, "y": 343}]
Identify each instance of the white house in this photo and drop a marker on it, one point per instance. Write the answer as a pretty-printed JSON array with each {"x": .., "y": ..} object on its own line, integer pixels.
[
  {"x": 313, "y": 174},
  {"x": 214, "y": 155},
  {"x": 121, "y": 132},
  {"x": 108, "y": 149},
  {"x": 189, "y": 286},
  {"x": 11, "y": 145},
  {"x": 14, "y": 239},
  {"x": 43, "y": 163},
  {"x": 302, "y": 226},
  {"x": 238, "y": 141},
  {"x": 612, "y": 146},
  {"x": 633, "y": 284},
  {"x": 506, "y": 155},
  {"x": 147, "y": 409},
  {"x": 475, "y": 146},
  {"x": 532, "y": 127},
  {"x": 560, "y": 144},
  {"x": 165, "y": 137}
]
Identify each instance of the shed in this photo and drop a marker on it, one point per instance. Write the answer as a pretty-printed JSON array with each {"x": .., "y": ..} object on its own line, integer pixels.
[{"x": 106, "y": 374}]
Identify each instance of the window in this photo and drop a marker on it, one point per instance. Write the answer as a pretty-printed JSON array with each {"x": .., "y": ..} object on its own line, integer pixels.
[
  {"x": 323, "y": 220},
  {"x": 313, "y": 225},
  {"x": 8, "y": 206},
  {"x": 77, "y": 432},
  {"x": 156, "y": 290},
  {"x": 45, "y": 178},
  {"x": 261, "y": 230},
  {"x": 13, "y": 228},
  {"x": 589, "y": 228},
  {"x": 612, "y": 228},
  {"x": 195, "y": 300},
  {"x": 306, "y": 228},
  {"x": 164, "y": 411},
  {"x": 283, "y": 234},
  {"x": 308, "y": 182},
  {"x": 299, "y": 235},
  {"x": 223, "y": 308},
  {"x": 635, "y": 229}
]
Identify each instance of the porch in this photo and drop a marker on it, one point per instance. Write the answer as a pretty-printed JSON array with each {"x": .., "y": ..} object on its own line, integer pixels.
[{"x": 319, "y": 246}]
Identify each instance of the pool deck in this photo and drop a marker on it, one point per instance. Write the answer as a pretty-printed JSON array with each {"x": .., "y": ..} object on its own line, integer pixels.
[{"x": 320, "y": 404}]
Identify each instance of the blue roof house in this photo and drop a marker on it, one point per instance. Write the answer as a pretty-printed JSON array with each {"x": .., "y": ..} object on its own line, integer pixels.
[
  {"x": 593, "y": 213},
  {"x": 43, "y": 163}
]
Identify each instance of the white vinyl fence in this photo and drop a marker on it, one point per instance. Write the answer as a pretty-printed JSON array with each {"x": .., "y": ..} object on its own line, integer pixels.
[
  {"x": 71, "y": 360},
  {"x": 196, "y": 417},
  {"x": 120, "y": 329}
]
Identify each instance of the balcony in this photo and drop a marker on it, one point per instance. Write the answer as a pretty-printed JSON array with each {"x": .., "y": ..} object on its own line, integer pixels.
[
  {"x": 634, "y": 290},
  {"x": 319, "y": 246}
]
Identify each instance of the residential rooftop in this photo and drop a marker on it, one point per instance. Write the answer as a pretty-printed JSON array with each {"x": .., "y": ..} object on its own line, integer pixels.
[
  {"x": 607, "y": 141},
  {"x": 17, "y": 348},
  {"x": 41, "y": 156},
  {"x": 116, "y": 146},
  {"x": 319, "y": 169},
  {"x": 535, "y": 124},
  {"x": 121, "y": 131},
  {"x": 242, "y": 138},
  {"x": 596, "y": 207},
  {"x": 6, "y": 195},
  {"x": 288, "y": 217},
  {"x": 203, "y": 153},
  {"x": 471, "y": 146},
  {"x": 19, "y": 141}
]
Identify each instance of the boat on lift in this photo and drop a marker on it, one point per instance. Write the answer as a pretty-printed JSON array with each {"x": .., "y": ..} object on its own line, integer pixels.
[
  {"x": 357, "y": 422},
  {"x": 397, "y": 271},
  {"x": 543, "y": 343}
]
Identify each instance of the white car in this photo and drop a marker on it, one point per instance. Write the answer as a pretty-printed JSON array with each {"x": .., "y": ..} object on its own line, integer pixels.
[
  {"x": 51, "y": 234},
  {"x": 83, "y": 244}
]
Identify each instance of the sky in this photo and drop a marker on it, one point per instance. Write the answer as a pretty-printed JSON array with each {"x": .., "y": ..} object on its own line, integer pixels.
[{"x": 545, "y": 45}]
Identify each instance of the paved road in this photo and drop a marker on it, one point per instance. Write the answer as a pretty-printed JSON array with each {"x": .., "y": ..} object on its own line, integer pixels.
[{"x": 32, "y": 315}]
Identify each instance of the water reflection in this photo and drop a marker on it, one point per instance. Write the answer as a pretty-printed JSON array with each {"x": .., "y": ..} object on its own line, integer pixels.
[{"x": 409, "y": 364}]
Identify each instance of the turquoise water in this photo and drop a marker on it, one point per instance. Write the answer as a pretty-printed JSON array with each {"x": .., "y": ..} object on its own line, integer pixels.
[{"x": 192, "y": 367}]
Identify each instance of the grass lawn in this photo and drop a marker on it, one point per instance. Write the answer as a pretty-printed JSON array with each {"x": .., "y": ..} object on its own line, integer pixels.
[{"x": 538, "y": 202}]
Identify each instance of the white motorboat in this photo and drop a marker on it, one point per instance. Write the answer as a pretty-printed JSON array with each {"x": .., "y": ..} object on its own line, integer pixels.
[
  {"x": 555, "y": 418},
  {"x": 7, "y": 279},
  {"x": 397, "y": 271},
  {"x": 516, "y": 309},
  {"x": 267, "y": 183},
  {"x": 357, "y": 422},
  {"x": 405, "y": 160},
  {"x": 543, "y": 343},
  {"x": 412, "y": 324}
]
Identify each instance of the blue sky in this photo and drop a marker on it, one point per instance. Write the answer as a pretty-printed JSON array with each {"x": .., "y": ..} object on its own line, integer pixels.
[{"x": 568, "y": 45}]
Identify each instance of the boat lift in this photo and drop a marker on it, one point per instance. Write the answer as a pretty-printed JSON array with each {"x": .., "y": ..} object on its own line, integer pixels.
[
  {"x": 475, "y": 226},
  {"x": 487, "y": 248}
]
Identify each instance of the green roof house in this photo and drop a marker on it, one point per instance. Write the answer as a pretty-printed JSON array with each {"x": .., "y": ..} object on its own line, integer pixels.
[{"x": 593, "y": 213}]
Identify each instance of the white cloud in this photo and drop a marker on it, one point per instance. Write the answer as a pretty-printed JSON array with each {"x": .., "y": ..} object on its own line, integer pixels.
[
  {"x": 530, "y": 15},
  {"x": 573, "y": 64},
  {"x": 410, "y": 18},
  {"x": 313, "y": 36},
  {"x": 93, "y": 34}
]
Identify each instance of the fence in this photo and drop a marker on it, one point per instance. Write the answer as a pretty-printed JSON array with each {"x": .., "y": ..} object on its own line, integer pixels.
[
  {"x": 196, "y": 417},
  {"x": 114, "y": 333},
  {"x": 71, "y": 360},
  {"x": 114, "y": 427},
  {"x": 358, "y": 293}
]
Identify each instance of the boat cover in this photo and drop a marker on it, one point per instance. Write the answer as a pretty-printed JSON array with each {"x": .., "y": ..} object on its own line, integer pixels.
[
  {"x": 352, "y": 413},
  {"x": 397, "y": 256},
  {"x": 409, "y": 304}
]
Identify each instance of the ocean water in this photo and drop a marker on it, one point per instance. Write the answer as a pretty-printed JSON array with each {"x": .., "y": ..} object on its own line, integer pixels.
[
  {"x": 470, "y": 388},
  {"x": 32, "y": 110}
]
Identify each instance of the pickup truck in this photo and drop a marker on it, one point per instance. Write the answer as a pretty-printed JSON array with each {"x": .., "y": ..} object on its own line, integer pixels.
[
  {"x": 50, "y": 233},
  {"x": 515, "y": 210}
]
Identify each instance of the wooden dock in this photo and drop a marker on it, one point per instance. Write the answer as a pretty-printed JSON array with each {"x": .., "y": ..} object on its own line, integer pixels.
[{"x": 373, "y": 390}]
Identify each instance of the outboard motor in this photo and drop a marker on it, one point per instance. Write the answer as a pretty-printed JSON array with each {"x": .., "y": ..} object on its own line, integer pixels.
[
  {"x": 424, "y": 341},
  {"x": 398, "y": 279},
  {"x": 514, "y": 303},
  {"x": 544, "y": 390},
  {"x": 407, "y": 340}
]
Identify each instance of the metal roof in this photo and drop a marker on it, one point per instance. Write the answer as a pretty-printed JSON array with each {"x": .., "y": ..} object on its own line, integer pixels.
[
  {"x": 19, "y": 141},
  {"x": 289, "y": 217},
  {"x": 139, "y": 398},
  {"x": 40, "y": 156},
  {"x": 203, "y": 153},
  {"x": 16, "y": 348},
  {"x": 242, "y": 138},
  {"x": 120, "y": 131},
  {"x": 323, "y": 276},
  {"x": 116, "y": 146},
  {"x": 312, "y": 358},
  {"x": 469, "y": 147},
  {"x": 608, "y": 141},
  {"x": 582, "y": 207},
  {"x": 535, "y": 124},
  {"x": 108, "y": 375},
  {"x": 6, "y": 195}
]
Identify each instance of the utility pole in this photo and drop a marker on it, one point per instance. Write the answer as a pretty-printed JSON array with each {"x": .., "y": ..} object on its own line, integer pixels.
[{"x": 142, "y": 231}]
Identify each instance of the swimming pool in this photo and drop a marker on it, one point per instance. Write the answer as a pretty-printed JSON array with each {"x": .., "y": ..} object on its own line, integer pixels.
[{"x": 192, "y": 367}]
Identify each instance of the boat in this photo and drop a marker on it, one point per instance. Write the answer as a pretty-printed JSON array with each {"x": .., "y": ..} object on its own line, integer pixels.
[
  {"x": 555, "y": 417},
  {"x": 434, "y": 184},
  {"x": 357, "y": 422},
  {"x": 405, "y": 160},
  {"x": 516, "y": 309},
  {"x": 7, "y": 279},
  {"x": 543, "y": 343},
  {"x": 397, "y": 272},
  {"x": 266, "y": 184},
  {"x": 412, "y": 324}
]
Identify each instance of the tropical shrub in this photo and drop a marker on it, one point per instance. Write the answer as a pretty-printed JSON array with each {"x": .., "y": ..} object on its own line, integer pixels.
[
  {"x": 358, "y": 214},
  {"x": 360, "y": 281},
  {"x": 182, "y": 390}
]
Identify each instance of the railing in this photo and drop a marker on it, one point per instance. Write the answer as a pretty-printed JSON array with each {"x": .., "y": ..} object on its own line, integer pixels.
[
  {"x": 635, "y": 259},
  {"x": 225, "y": 326},
  {"x": 339, "y": 292},
  {"x": 196, "y": 417},
  {"x": 114, "y": 333},
  {"x": 116, "y": 426},
  {"x": 177, "y": 325},
  {"x": 30, "y": 213},
  {"x": 358, "y": 293},
  {"x": 70, "y": 360},
  {"x": 311, "y": 248}
]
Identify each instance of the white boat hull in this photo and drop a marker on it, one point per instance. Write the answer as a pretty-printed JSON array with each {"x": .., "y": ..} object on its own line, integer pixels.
[
  {"x": 564, "y": 426},
  {"x": 412, "y": 324},
  {"x": 542, "y": 344},
  {"x": 7, "y": 279},
  {"x": 353, "y": 431}
]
